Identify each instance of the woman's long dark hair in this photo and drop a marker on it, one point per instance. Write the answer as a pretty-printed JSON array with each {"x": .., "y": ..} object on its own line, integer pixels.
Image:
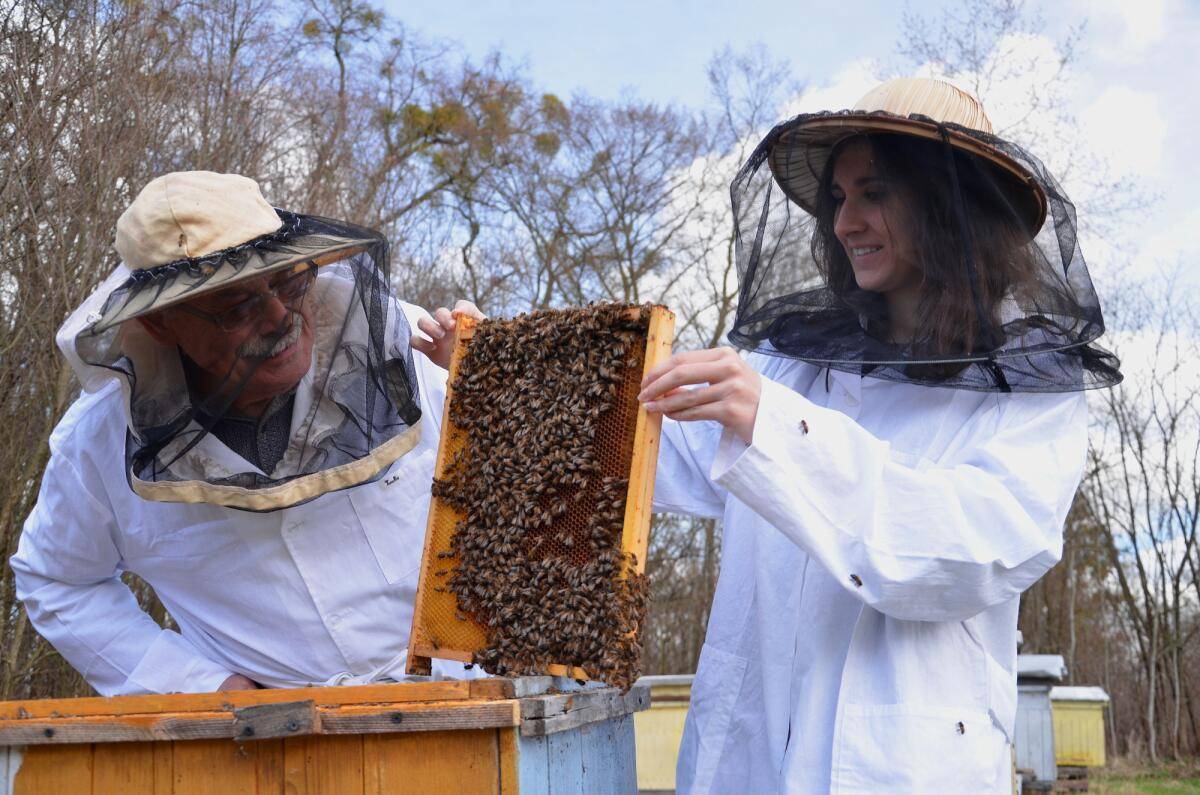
[{"x": 958, "y": 310}]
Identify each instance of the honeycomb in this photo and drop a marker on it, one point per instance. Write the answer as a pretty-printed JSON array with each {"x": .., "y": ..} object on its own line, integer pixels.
[{"x": 529, "y": 566}]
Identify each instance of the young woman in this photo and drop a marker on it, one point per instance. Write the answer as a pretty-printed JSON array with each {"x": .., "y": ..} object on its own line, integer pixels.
[{"x": 893, "y": 458}]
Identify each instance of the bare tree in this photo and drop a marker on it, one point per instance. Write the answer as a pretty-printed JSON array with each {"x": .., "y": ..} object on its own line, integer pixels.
[
  {"x": 1144, "y": 487},
  {"x": 77, "y": 128}
]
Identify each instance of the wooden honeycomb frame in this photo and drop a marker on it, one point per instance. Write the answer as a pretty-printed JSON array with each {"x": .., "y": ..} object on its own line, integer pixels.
[{"x": 434, "y": 606}]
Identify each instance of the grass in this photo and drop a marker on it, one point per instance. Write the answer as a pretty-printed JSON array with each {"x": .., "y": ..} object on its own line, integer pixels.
[{"x": 1123, "y": 778}]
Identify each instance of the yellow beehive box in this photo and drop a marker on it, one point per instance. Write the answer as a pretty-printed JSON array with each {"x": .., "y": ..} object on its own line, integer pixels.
[
  {"x": 1078, "y": 714},
  {"x": 659, "y": 729}
]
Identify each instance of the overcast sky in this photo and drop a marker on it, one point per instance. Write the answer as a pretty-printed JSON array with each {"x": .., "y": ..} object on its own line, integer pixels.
[{"x": 1137, "y": 80}]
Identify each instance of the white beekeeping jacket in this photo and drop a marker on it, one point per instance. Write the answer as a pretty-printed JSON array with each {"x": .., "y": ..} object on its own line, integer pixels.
[
  {"x": 319, "y": 593},
  {"x": 877, "y": 536}
]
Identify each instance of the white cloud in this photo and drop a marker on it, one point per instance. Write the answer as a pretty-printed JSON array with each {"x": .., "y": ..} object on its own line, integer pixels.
[
  {"x": 1127, "y": 29},
  {"x": 845, "y": 88},
  {"x": 1126, "y": 126}
]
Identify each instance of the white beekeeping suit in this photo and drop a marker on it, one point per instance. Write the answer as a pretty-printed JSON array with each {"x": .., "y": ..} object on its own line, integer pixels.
[
  {"x": 894, "y": 455},
  {"x": 285, "y": 546}
]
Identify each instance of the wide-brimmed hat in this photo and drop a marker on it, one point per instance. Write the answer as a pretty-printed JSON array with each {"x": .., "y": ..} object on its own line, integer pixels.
[
  {"x": 193, "y": 232},
  {"x": 920, "y": 107}
]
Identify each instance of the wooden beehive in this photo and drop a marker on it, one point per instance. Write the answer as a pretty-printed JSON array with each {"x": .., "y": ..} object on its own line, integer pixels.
[
  {"x": 498, "y": 736},
  {"x": 628, "y": 438}
]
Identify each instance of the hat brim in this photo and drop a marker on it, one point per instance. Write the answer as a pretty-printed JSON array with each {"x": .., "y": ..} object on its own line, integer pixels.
[
  {"x": 157, "y": 295},
  {"x": 799, "y": 157}
]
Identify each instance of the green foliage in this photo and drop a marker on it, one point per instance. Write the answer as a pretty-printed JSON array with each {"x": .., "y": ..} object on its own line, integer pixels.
[
  {"x": 553, "y": 110},
  {"x": 547, "y": 143}
]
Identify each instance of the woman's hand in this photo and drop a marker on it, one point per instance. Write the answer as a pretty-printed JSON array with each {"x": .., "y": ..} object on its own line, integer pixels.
[
  {"x": 730, "y": 395},
  {"x": 440, "y": 330}
]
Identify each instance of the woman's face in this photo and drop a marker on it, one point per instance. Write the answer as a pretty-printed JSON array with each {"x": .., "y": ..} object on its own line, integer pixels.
[{"x": 871, "y": 223}]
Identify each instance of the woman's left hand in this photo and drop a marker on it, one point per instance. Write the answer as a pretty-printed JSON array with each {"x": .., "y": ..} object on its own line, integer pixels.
[
  {"x": 440, "y": 329},
  {"x": 730, "y": 395}
]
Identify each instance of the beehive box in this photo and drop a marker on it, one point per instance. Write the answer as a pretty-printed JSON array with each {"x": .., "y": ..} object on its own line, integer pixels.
[
  {"x": 625, "y": 447},
  {"x": 497, "y": 736},
  {"x": 1078, "y": 714}
]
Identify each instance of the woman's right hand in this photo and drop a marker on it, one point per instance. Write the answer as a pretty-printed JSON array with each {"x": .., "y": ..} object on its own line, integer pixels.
[{"x": 715, "y": 384}]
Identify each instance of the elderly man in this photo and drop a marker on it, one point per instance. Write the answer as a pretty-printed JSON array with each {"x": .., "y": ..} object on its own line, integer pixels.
[{"x": 255, "y": 440}]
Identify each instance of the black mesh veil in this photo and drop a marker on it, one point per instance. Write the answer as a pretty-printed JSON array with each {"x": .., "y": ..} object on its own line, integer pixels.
[
  {"x": 354, "y": 410},
  {"x": 1006, "y": 302}
]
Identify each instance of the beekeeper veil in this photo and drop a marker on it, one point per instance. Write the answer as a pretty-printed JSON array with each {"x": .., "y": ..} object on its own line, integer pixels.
[
  {"x": 1000, "y": 295},
  {"x": 262, "y": 358}
]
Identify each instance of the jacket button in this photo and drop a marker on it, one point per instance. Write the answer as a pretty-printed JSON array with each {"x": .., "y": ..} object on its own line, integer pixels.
[{"x": 854, "y": 578}]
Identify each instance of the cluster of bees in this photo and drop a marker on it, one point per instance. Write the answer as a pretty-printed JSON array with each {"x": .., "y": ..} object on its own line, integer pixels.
[{"x": 541, "y": 483}]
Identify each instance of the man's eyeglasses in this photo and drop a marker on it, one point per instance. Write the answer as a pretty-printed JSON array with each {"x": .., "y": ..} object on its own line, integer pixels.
[{"x": 288, "y": 291}]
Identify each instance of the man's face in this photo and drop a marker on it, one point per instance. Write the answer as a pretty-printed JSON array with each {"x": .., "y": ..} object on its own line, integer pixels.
[{"x": 261, "y": 326}]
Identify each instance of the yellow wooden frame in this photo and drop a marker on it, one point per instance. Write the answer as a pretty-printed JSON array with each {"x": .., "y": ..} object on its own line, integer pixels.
[{"x": 635, "y": 537}]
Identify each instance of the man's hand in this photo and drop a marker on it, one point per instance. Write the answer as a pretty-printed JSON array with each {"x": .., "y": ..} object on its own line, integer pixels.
[
  {"x": 238, "y": 682},
  {"x": 730, "y": 395},
  {"x": 440, "y": 330}
]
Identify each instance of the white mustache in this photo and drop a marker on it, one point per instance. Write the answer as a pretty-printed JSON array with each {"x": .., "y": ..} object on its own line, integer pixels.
[{"x": 264, "y": 347}]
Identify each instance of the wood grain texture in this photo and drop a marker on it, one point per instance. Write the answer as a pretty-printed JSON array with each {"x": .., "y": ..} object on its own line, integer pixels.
[
  {"x": 127, "y": 768},
  {"x": 407, "y": 718},
  {"x": 336, "y": 766},
  {"x": 609, "y": 757},
  {"x": 268, "y": 765},
  {"x": 639, "y": 500},
  {"x": 493, "y": 688},
  {"x": 509, "y": 761},
  {"x": 55, "y": 771},
  {"x": 117, "y": 728},
  {"x": 564, "y": 755},
  {"x": 296, "y": 766},
  {"x": 215, "y": 715},
  {"x": 214, "y": 767},
  {"x": 542, "y": 715},
  {"x": 593, "y": 758},
  {"x": 207, "y": 702},
  {"x": 533, "y": 765},
  {"x": 438, "y": 762},
  {"x": 421, "y": 647},
  {"x": 164, "y": 768},
  {"x": 372, "y": 778},
  {"x": 265, "y": 721}
]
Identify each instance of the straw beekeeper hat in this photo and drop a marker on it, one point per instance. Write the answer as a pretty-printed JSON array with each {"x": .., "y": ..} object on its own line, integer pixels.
[
  {"x": 192, "y": 232},
  {"x": 921, "y": 107}
]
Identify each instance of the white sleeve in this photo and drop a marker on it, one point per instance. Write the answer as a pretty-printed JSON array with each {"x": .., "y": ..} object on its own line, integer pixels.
[
  {"x": 918, "y": 542},
  {"x": 67, "y": 573},
  {"x": 681, "y": 481}
]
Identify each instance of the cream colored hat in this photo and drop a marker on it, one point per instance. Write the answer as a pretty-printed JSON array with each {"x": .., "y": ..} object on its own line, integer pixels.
[
  {"x": 909, "y": 106},
  {"x": 192, "y": 232},
  {"x": 190, "y": 214}
]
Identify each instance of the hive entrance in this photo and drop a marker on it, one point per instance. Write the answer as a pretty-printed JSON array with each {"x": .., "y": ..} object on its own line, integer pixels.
[{"x": 537, "y": 529}]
